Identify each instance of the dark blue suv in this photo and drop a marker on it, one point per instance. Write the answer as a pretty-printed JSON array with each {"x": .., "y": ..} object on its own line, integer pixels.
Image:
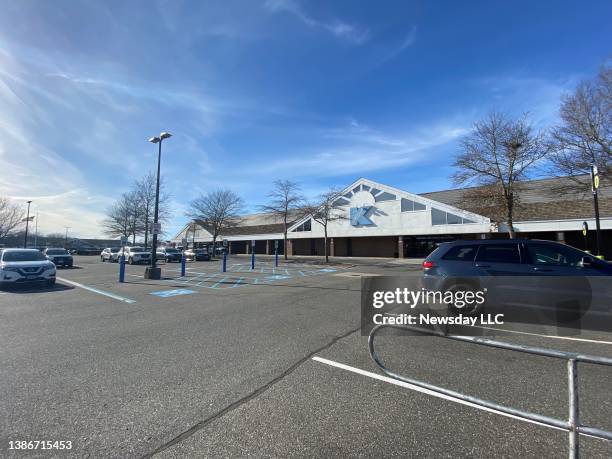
[
  {"x": 514, "y": 257},
  {"x": 550, "y": 267}
]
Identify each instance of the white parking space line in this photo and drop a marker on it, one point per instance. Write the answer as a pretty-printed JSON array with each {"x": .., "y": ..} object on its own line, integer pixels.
[
  {"x": 405, "y": 385},
  {"x": 95, "y": 290}
]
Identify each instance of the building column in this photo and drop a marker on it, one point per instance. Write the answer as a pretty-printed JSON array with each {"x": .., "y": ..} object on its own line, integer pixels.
[
  {"x": 400, "y": 246},
  {"x": 248, "y": 247},
  {"x": 561, "y": 237},
  {"x": 289, "y": 248},
  {"x": 332, "y": 251},
  {"x": 267, "y": 247},
  {"x": 229, "y": 247}
]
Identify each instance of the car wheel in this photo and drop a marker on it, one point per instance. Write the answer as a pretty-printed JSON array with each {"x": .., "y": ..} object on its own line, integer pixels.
[
  {"x": 102, "y": 259},
  {"x": 464, "y": 309}
]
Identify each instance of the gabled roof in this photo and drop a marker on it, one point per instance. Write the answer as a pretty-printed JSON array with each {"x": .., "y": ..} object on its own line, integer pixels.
[
  {"x": 556, "y": 198},
  {"x": 379, "y": 190}
]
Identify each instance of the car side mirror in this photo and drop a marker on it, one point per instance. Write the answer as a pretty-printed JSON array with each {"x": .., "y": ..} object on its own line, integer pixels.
[{"x": 586, "y": 262}]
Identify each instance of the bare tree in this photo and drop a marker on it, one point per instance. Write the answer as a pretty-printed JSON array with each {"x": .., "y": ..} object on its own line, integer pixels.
[
  {"x": 324, "y": 212},
  {"x": 217, "y": 210},
  {"x": 11, "y": 216},
  {"x": 584, "y": 135},
  {"x": 285, "y": 203},
  {"x": 123, "y": 217},
  {"x": 145, "y": 190},
  {"x": 499, "y": 153}
]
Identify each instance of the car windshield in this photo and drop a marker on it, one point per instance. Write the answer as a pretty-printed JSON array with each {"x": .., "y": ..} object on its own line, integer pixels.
[
  {"x": 171, "y": 251},
  {"x": 57, "y": 252},
  {"x": 23, "y": 255},
  {"x": 137, "y": 249},
  {"x": 115, "y": 249}
]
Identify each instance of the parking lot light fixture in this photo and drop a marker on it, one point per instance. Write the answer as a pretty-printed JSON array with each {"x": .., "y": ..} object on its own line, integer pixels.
[
  {"x": 25, "y": 240},
  {"x": 152, "y": 271}
]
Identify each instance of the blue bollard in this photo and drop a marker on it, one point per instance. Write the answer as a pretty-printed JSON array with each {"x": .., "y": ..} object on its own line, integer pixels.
[
  {"x": 122, "y": 268},
  {"x": 183, "y": 262},
  {"x": 276, "y": 257},
  {"x": 224, "y": 261},
  {"x": 253, "y": 260}
]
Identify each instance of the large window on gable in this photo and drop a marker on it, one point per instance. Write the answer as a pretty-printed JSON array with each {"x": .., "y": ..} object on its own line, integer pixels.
[
  {"x": 410, "y": 206},
  {"x": 306, "y": 226},
  {"x": 440, "y": 217},
  {"x": 384, "y": 197}
]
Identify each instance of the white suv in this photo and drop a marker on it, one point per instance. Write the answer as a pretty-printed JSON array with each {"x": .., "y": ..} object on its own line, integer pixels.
[
  {"x": 135, "y": 255},
  {"x": 19, "y": 266}
]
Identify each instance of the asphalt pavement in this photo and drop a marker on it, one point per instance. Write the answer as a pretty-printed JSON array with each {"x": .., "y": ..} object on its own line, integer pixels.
[{"x": 264, "y": 362}]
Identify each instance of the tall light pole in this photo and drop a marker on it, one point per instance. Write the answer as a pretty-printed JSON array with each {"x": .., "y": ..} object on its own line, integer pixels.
[
  {"x": 66, "y": 241},
  {"x": 153, "y": 272},
  {"x": 25, "y": 239}
]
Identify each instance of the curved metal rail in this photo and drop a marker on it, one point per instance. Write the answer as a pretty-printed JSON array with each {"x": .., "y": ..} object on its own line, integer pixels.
[{"x": 572, "y": 425}]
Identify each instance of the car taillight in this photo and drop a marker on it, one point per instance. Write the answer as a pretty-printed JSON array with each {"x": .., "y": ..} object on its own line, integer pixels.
[{"x": 428, "y": 264}]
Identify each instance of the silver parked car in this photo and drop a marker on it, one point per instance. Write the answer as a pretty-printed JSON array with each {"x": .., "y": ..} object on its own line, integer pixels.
[
  {"x": 110, "y": 254},
  {"x": 135, "y": 255},
  {"x": 22, "y": 266}
]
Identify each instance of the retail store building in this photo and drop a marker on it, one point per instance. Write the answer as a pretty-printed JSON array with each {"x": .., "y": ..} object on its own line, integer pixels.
[{"x": 376, "y": 220}]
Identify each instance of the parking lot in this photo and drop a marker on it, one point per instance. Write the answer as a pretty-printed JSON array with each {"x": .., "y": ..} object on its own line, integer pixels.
[{"x": 266, "y": 362}]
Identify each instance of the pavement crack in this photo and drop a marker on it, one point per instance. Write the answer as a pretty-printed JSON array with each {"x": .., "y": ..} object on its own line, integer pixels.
[{"x": 256, "y": 393}]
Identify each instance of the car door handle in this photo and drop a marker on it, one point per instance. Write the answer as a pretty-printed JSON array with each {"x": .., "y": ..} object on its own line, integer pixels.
[
  {"x": 535, "y": 268},
  {"x": 479, "y": 265}
]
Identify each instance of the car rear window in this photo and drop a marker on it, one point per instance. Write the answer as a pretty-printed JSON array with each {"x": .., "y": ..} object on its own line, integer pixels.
[
  {"x": 502, "y": 253},
  {"x": 461, "y": 253},
  {"x": 57, "y": 252},
  {"x": 25, "y": 255}
]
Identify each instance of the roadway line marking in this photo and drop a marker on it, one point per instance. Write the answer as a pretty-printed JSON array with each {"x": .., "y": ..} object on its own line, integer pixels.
[
  {"x": 95, "y": 290},
  {"x": 405, "y": 385}
]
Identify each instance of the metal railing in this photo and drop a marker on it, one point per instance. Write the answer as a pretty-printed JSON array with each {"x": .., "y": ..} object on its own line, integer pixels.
[{"x": 572, "y": 425}]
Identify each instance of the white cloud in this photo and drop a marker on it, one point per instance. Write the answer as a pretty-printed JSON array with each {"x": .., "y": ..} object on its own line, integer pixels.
[{"x": 336, "y": 27}]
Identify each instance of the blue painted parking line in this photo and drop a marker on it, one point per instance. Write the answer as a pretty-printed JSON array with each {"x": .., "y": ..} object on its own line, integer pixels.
[
  {"x": 207, "y": 279},
  {"x": 238, "y": 282},
  {"x": 169, "y": 293},
  {"x": 217, "y": 284}
]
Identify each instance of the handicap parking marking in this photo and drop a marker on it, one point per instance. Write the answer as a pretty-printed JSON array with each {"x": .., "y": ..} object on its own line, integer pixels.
[
  {"x": 328, "y": 270},
  {"x": 278, "y": 277},
  {"x": 238, "y": 282},
  {"x": 217, "y": 284},
  {"x": 169, "y": 293}
]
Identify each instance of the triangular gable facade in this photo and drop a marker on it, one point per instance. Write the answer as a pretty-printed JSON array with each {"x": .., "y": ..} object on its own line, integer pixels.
[{"x": 369, "y": 208}]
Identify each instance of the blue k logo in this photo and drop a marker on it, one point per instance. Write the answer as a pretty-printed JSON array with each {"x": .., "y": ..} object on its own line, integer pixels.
[{"x": 359, "y": 217}]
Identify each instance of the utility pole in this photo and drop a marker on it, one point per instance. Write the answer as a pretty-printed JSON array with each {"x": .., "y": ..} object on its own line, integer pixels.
[
  {"x": 36, "y": 230},
  {"x": 25, "y": 240},
  {"x": 594, "y": 189},
  {"x": 66, "y": 242}
]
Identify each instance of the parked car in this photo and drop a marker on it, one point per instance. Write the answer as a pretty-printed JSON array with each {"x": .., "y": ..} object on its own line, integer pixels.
[
  {"x": 59, "y": 257},
  {"x": 110, "y": 254},
  {"x": 197, "y": 255},
  {"x": 19, "y": 266},
  {"x": 468, "y": 264},
  {"x": 135, "y": 255},
  {"x": 169, "y": 254}
]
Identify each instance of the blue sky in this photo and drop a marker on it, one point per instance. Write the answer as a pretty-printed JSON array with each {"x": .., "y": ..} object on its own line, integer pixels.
[{"x": 319, "y": 92}]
